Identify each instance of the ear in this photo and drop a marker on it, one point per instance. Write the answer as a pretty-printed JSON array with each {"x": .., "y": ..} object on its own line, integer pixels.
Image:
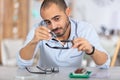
[{"x": 68, "y": 11}]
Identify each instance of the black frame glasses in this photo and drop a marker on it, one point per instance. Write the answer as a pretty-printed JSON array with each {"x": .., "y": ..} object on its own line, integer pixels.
[
  {"x": 60, "y": 47},
  {"x": 40, "y": 70}
]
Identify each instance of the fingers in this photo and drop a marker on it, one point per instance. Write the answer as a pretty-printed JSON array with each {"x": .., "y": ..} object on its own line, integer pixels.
[
  {"x": 42, "y": 33},
  {"x": 82, "y": 44},
  {"x": 78, "y": 42}
]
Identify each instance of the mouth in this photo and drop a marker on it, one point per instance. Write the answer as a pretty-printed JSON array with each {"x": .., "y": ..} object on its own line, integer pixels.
[{"x": 57, "y": 30}]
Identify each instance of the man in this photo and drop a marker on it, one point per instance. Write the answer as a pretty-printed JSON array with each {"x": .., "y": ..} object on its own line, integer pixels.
[{"x": 71, "y": 41}]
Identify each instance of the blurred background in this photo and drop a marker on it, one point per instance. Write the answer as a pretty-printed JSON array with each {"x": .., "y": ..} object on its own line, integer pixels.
[{"x": 18, "y": 16}]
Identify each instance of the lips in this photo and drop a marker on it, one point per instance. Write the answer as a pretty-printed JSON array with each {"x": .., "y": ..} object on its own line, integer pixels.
[{"x": 56, "y": 31}]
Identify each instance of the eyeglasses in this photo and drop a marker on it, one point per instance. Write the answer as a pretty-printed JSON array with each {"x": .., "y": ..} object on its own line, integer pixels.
[
  {"x": 57, "y": 44},
  {"x": 40, "y": 70}
]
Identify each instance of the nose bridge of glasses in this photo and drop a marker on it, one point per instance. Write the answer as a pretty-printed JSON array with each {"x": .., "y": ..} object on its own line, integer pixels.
[{"x": 54, "y": 69}]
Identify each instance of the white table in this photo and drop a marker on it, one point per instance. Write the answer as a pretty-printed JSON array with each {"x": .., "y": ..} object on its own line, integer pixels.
[
  {"x": 13, "y": 73},
  {"x": 7, "y": 73}
]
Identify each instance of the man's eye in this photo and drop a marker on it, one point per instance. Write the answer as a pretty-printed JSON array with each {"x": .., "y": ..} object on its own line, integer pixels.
[
  {"x": 56, "y": 19},
  {"x": 48, "y": 22}
]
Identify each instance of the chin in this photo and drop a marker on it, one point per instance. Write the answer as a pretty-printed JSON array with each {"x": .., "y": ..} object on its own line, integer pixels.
[{"x": 60, "y": 35}]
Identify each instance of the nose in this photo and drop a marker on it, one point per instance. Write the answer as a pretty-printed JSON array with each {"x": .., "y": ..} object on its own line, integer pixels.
[{"x": 54, "y": 25}]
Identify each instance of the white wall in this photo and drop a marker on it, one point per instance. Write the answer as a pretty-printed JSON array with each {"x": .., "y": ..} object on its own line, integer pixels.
[
  {"x": 98, "y": 12},
  {"x": 34, "y": 12}
]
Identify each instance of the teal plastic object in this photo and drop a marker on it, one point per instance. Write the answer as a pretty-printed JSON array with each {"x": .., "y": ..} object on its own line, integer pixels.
[{"x": 85, "y": 75}]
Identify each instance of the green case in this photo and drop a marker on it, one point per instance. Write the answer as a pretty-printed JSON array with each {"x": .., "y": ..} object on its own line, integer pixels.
[{"x": 86, "y": 75}]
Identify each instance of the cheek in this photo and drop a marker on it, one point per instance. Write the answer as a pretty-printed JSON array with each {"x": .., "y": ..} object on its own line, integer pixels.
[{"x": 62, "y": 23}]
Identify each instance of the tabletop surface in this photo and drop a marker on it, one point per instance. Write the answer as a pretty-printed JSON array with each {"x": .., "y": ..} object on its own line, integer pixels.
[{"x": 13, "y": 73}]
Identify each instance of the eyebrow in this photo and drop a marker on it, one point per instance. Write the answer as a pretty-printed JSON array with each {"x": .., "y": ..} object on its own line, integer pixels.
[
  {"x": 46, "y": 20},
  {"x": 56, "y": 16},
  {"x": 52, "y": 18}
]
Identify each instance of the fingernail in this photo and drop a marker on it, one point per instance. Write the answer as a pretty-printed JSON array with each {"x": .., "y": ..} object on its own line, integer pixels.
[
  {"x": 50, "y": 35},
  {"x": 49, "y": 31}
]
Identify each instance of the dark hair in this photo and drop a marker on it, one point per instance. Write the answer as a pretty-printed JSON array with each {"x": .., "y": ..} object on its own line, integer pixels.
[{"x": 60, "y": 3}]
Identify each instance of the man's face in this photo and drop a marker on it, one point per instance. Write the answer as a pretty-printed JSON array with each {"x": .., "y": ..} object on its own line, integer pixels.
[{"x": 56, "y": 19}]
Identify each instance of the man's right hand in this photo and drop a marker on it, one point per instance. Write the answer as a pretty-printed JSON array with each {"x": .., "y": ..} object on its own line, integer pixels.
[{"x": 42, "y": 33}]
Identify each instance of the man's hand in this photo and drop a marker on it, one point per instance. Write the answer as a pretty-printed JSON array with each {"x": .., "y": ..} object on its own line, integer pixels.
[
  {"x": 42, "y": 33},
  {"x": 82, "y": 45}
]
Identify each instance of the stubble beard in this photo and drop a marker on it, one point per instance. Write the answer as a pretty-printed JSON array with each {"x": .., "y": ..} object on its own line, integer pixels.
[{"x": 64, "y": 30}]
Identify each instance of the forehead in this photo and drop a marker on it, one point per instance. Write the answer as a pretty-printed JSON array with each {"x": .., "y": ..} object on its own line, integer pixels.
[{"x": 51, "y": 11}]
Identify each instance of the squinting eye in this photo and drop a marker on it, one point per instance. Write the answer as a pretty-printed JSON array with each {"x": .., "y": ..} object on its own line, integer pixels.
[
  {"x": 48, "y": 22},
  {"x": 57, "y": 18}
]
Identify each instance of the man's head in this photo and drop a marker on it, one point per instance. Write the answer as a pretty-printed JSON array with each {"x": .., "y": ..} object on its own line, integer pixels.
[
  {"x": 60, "y": 3},
  {"x": 56, "y": 14}
]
